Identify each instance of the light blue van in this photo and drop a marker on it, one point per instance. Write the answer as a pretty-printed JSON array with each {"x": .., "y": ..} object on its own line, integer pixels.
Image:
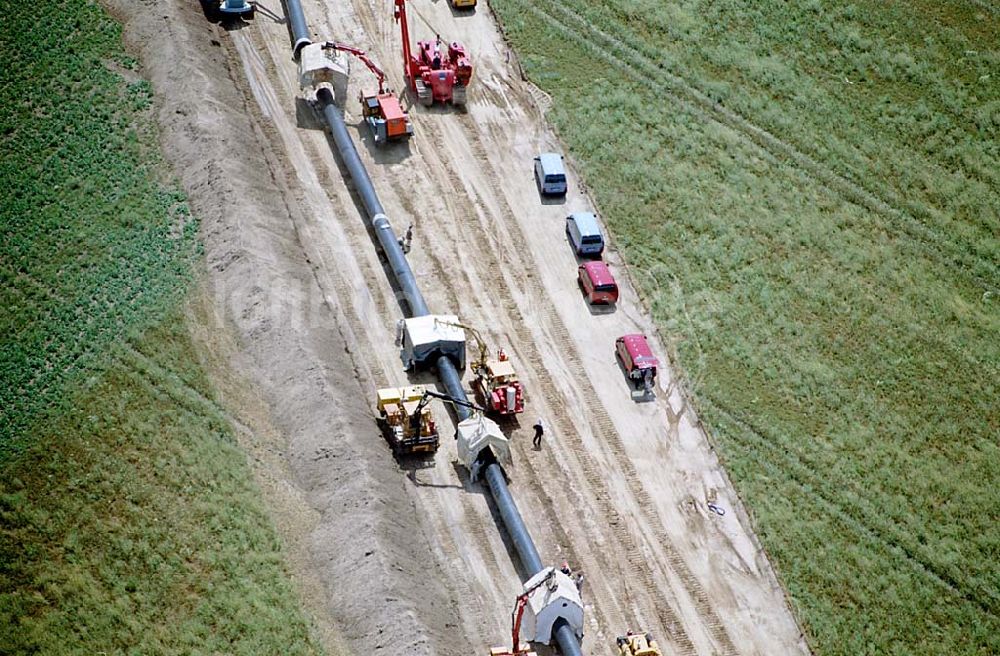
[
  {"x": 584, "y": 234},
  {"x": 550, "y": 174}
]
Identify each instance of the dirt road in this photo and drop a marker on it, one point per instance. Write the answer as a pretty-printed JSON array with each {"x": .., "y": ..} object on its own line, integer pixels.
[{"x": 620, "y": 488}]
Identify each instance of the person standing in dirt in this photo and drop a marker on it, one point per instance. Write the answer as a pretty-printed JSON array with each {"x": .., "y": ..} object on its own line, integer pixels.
[
  {"x": 406, "y": 241},
  {"x": 539, "y": 431}
]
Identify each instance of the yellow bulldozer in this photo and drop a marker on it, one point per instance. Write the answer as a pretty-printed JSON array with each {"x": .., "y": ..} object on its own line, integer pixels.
[{"x": 638, "y": 644}]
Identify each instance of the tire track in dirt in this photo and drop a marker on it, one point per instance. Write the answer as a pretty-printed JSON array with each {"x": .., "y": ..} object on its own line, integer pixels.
[
  {"x": 466, "y": 206},
  {"x": 606, "y": 433},
  {"x": 634, "y": 555},
  {"x": 361, "y": 242},
  {"x": 369, "y": 369},
  {"x": 345, "y": 203},
  {"x": 647, "y": 73}
]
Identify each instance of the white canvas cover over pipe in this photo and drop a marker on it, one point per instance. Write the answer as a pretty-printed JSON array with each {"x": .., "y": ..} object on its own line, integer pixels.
[
  {"x": 319, "y": 65},
  {"x": 424, "y": 338},
  {"x": 477, "y": 433},
  {"x": 557, "y": 598}
]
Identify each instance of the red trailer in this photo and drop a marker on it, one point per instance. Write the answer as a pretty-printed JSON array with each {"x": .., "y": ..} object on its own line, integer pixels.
[{"x": 636, "y": 357}]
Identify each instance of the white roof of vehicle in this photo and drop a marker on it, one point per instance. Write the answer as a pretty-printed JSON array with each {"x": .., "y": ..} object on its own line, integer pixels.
[{"x": 552, "y": 163}]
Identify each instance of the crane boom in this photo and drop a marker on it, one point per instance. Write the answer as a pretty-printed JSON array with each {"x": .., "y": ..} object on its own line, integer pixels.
[
  {"x": 515, "y": 620},
  {"x": 483, "y": 350},
  {"x": 404, "y": 28},
  {"x": 365, "y": 59},
  {"x": 428, "y": 394}
]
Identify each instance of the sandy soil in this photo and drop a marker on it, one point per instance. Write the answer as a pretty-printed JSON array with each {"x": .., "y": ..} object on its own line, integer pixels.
[{"x": 408, "y": 556}]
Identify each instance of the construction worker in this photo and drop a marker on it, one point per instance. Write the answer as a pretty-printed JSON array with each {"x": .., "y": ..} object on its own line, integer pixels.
[
  {"x": 407, "y": 240},
  {"x": 436, "y": 60},
  {"x": 565, "y": 568},
  {"x": 539, "y": 431},
  {"x": 501, "y": 356}
]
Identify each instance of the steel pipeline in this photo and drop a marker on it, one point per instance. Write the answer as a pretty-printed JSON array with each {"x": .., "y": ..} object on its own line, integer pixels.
[
  {"x": 297, "y": 23},
  {"x": 375, "y": 214},
  {"x": 403, "y": 274}
]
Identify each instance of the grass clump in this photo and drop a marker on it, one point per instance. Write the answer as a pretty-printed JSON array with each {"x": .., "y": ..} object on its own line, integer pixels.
[
  {"x": 129, "y": 520},
  {"x": 807, "y": 192}
]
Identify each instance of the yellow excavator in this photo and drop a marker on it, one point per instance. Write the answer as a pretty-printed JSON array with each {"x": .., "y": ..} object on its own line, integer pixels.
[{"x": 638, "y": 644}]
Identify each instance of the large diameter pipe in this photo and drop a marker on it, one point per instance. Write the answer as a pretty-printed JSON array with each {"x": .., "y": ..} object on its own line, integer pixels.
[
  {"x": 447, "y": 372},
  {"x": 451, "y": 378},
  {"x": 512, "y": 520},
  {"x": 297, "y": 22},
  {"x": 568, "y": 644},
  {"x": 401, "y": 270},
  {"x": 526, "y": 550}
]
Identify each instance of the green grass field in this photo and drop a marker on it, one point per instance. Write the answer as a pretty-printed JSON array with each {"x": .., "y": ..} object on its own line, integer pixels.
[
  {"x": 129, "y": 520},
  {"x": 809, "y": 196}
]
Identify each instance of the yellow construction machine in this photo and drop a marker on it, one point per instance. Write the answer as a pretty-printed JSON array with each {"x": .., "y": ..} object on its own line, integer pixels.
[
  {"x": 638, "y": 644},
  {"x": 495, "y": 385},
  {"x": 406, "y": 420}
]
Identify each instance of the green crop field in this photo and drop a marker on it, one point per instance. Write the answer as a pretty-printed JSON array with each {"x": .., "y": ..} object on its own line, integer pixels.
[
  {"x": 129, "y": 520},
  {"x": 808, "y": 194}
]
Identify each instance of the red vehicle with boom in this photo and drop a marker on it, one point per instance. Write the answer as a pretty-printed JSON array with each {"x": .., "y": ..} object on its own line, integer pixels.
[
  {"x": 434, "y": 74},
  {"x": 382, "y": 112},
  {"x": 517, "y": 647}
]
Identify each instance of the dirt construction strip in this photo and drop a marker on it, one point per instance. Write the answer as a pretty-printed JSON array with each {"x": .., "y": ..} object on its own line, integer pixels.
[{"x": 404, "y": 556}]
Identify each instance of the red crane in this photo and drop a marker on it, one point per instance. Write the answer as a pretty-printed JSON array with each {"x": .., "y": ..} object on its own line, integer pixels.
[
  {"x": 434, "y": 75},
  {"x": 363, "y": 56},
  {"x": 382, "y": 111},
  {"x": 517, "y": 649}
]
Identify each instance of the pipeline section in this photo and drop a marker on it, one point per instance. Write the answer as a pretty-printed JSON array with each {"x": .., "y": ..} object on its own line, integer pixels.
[
  {"x": 403, "y": 274},
  {"x": 387, "y": 239},
  {"x": 297, "y": 22}
]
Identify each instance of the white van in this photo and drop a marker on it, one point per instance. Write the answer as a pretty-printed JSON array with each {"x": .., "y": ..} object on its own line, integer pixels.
[
  {"x": 550, "y": 174},
  {"x": 584, "y": 234}
]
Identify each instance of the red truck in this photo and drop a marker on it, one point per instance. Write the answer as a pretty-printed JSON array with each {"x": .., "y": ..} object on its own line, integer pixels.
[{"x": 636, "y": 357}]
